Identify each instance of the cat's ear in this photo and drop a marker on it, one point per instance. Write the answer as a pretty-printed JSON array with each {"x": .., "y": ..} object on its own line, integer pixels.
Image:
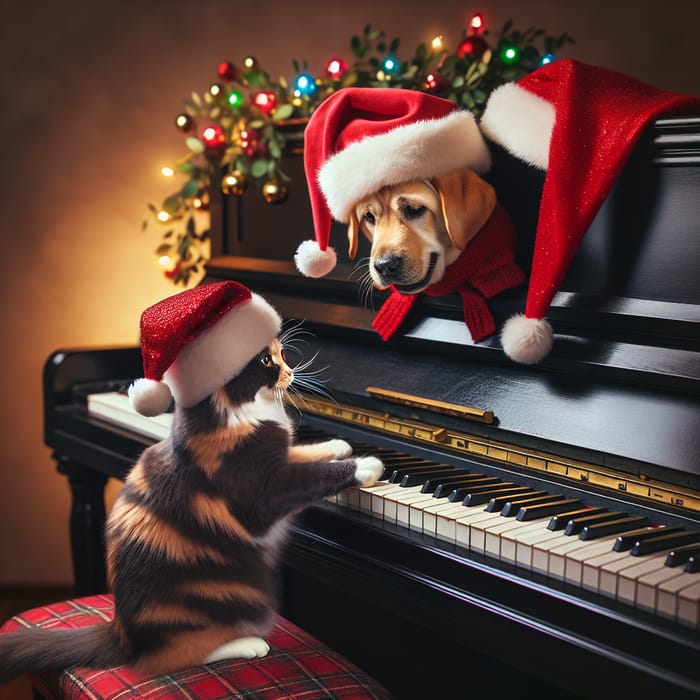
[{"x": 353, "y": 235}]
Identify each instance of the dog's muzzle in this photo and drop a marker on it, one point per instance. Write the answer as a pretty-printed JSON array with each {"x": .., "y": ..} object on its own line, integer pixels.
[{"x": 391, "y": 269}]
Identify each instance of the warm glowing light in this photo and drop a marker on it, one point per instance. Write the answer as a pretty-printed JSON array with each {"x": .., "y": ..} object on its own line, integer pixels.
[
  {"x": 438, "y": 43},
  {"x": 167, "y": 262},
  {"x": 266, "y": 101},
  {"x": 163, "y": 216},
  {"x": 336, "y": 68},
  {"x": 215, "y": 89},
  {"x": 197, "y": 203},
  {"x": 213, "y": 137},
  {"x": 477, "y": 22},
  {"x": 249, "y": 62},
  {"x": 167, "y": 172}
]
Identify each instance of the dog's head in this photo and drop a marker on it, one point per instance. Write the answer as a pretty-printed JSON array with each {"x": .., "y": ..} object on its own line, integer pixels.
[{"x": 418, "y": 228}]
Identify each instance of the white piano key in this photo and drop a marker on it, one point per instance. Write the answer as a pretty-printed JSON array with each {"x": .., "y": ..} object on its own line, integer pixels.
[
  {"x": 647, "y": 586},
  {"x": 478, "y": 529},
  {"x": 432, "y": 511},
  {"x": 404, "y": 506},
  {"x": 668, "y": 592},
  {"x": 509, "y": 527},
  {"x": 558, "y": 554},
  {"x": 689, "y": 604},
  {"x": 366, "y": 495},
  {"x": 525, "y": 543},
  {"x": 467, "y": 520},
  {"x": 627, "y": 578},
  {"x": 573, "y": 572},
  {"x": 379, "y": 502}
]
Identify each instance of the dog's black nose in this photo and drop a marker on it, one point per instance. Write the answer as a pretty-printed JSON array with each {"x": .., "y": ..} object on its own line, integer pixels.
[{"x": 389, "y": 266}]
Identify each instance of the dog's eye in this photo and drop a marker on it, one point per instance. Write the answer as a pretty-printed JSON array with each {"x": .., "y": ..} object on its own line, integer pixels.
[
  {"x": 369, "y": 217},
  {"x": 410, "y": 211}
]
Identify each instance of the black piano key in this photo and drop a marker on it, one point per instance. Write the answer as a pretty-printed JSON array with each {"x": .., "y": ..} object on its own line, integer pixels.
[
  {"x": 658, "y": 544},
  {"x": 692, "y": 566},
  {"x": 625, "y": 542},
  {"x": 575, "y": 525},
  {"x": 457, "y": 493},
  {"x": 480, "y": 497},
  {"x": 400, "y": 470},
  {"x": 419, "y": 477},
  {"x": 612, "y": 527},
  {"x": 458, "y": 477},
  {"x": 443, "y": 487},
  {"x": 512, "y": 508},
  {"x": 496, "y": 503},
  {"x": 561, "y": 520},
  {"x": 680, "y": 555},
  {"x": 544, "y": 510}
]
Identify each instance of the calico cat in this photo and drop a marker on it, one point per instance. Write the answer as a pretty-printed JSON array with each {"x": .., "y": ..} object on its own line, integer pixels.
[{"x": 194, "y": 535}]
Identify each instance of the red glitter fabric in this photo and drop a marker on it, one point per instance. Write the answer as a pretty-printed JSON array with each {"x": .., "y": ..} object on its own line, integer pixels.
[
  {"x": 298, "y": 666},
  {"x": 600, "y": 115},
  {"x": 483, "y": 269},
  {"x": 173, "y": 322}
]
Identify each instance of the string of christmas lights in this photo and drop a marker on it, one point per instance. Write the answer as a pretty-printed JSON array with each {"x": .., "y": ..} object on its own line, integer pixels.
[{"x": 240, "y": 124}]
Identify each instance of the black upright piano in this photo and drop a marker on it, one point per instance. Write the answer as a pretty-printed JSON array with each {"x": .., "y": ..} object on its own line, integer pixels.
[{"x": 435, "y": 597}]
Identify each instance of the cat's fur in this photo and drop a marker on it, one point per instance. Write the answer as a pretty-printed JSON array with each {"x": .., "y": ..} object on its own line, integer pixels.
[{"x": 193, "y": 539}]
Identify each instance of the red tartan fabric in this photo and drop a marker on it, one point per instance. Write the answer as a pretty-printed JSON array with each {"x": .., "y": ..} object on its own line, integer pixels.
[{"x": 298, "y": 666}]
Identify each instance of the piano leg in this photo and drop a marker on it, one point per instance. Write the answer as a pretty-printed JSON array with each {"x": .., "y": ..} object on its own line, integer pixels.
[{"x": 87, "y": 522}]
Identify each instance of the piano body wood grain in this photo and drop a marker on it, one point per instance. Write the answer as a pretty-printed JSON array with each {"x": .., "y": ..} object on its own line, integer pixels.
[{"x": 435, "y": 598}]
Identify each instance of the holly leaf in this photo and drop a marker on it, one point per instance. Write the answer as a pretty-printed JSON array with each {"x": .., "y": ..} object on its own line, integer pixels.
[
  {"x": 194, "y": 144},
  {"x": 190, "y": 189},
  {"x": 283, "y": 112},
  {"x": 260, "y": 167}
]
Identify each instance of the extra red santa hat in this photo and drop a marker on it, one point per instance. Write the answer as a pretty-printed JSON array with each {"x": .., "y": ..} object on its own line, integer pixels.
[
  {"x": 580, "y": 124},
  {"x": 362, "y": 139},
  {"x": 198, "y": 340}
]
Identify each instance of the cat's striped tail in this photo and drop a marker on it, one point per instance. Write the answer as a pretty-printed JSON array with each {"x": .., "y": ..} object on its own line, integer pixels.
[{"x": 34, "y": 649}]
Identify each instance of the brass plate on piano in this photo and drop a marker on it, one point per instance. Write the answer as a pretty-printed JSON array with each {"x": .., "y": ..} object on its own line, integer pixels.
[
  {"x": 602, "y": 477},
  {"x": 449, "y": 409}
]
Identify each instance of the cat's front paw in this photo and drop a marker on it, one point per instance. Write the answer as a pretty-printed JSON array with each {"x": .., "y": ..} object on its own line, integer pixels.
[
  {"x": 368, "y": 470},
  {"x": 339, "y": 449},
  {"x": 241, "y": 648}
]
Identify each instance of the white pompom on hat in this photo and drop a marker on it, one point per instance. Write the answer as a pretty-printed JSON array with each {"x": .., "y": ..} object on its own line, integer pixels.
[
  {"x": 579, "y": 123},
  {"x": 196, "y": 341},
  {"x": 362, "y": 139}
]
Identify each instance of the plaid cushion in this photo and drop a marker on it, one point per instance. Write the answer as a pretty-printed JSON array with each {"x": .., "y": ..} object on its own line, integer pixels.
[{"x": 298, "y": 666}]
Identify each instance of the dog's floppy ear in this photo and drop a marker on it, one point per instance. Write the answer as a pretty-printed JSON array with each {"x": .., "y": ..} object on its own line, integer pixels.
[
  {"x": 353, "y": 235},
  {"x": 467, "y": 202}
]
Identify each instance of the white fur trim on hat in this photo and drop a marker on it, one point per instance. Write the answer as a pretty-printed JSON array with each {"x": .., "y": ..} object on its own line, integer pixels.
[
  {"x": 312, "y": 261},
  {"x": 521, "y": 122},
  {"x": 417, "y": 151},
  {"x": 149, "y": 397},
  {"x": 526, "y": 340},
  {"x": 218, "y": 354}
]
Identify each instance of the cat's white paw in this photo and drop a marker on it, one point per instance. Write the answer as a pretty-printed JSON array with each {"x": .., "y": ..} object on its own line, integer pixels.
[
  {"x": 242, "y": 648},
  {"x": 368, "y": 470},
  {"x": 339, "y": 449}
]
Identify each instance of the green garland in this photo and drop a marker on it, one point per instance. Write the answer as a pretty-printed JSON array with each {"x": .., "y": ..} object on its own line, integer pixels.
[{"x": 239, "y": 123}]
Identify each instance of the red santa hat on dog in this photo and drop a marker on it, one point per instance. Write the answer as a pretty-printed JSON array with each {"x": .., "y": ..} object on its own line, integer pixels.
[
  {"x": 580, "y": 124},
  {"x": 362, "y": 139},
  {"x": 197, "y": 341}
]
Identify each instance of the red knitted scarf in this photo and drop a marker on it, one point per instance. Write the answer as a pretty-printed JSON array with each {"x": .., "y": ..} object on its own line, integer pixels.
[{"x": 483, "y": 269}]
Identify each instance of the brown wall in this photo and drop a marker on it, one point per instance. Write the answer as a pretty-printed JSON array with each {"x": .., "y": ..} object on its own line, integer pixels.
[{"x": 89, "y": 93}]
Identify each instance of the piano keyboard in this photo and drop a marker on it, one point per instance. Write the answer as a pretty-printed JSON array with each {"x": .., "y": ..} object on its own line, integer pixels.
[{"x": 651, "y": 567}]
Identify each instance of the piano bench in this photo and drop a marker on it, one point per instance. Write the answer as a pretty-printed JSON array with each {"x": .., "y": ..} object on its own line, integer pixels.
[{"x": 297, "y": 666}]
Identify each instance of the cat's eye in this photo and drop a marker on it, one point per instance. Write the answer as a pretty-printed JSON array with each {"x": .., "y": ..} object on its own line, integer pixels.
[
  {"x": 368, "y": 216},
  {"x": 266, "y": 359}
]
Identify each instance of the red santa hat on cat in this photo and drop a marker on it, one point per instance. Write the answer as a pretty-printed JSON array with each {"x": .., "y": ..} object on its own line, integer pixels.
[
  {"x": 580, "y": 124},
  {"x": 198, "y": 340},
  {"x": 362, "y": 139}
]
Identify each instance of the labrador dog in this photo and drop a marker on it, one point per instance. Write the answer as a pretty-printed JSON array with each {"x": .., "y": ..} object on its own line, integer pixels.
[{"x": 418, "y": 228}]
